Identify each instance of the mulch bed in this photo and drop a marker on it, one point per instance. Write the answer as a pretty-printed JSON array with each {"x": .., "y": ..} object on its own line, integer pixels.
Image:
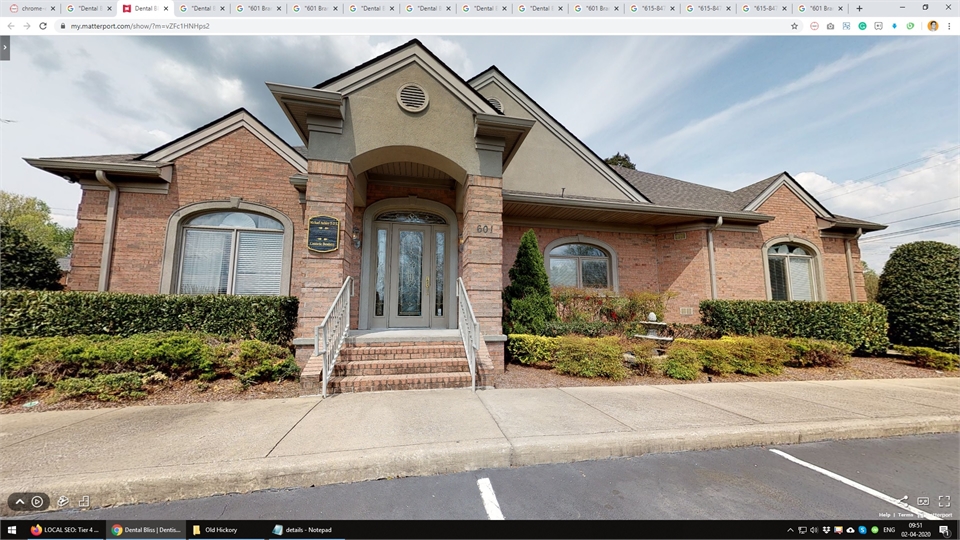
[
  {"x": 515, "y": 376},
  {"x": 168, "y": 393},
  {"x": 521, "y": 376}
]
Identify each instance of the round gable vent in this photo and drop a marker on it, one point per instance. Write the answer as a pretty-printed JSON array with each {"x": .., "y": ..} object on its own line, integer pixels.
[
  {"x": 412, "y": 97},
  {"x": 495, "y": 103}
]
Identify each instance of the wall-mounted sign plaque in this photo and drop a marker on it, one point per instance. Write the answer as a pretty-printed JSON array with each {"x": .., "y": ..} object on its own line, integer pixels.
[{"x": 323, "y": 234}]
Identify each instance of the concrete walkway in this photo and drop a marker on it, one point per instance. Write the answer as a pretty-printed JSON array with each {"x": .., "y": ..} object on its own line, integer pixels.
[{"x": 151, "y": 454}]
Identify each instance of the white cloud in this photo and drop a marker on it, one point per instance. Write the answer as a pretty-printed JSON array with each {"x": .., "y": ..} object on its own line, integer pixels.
[{"x": 933, "y": 183}]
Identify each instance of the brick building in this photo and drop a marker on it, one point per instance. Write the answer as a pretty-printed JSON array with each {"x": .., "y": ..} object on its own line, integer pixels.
[{"x": 414, "y": 179}]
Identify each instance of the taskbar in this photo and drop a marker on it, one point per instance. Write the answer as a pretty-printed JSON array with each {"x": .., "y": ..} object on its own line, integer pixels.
[{"x": 431, "y": 529}]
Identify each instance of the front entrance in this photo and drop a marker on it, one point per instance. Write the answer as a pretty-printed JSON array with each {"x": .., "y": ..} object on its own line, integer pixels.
[{"x": 409, "y": 274}]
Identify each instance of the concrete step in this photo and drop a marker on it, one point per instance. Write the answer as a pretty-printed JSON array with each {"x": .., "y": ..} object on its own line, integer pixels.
[
  {"x": 416, "y": 381},
  {"x": 400, "y": 366}
]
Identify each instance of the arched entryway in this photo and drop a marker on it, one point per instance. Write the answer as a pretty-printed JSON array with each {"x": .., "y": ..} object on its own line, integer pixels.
[{"x": 409, "y": 265}]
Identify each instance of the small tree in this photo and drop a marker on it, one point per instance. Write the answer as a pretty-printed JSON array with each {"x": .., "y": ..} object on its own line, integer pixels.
[
  {"x": 870, "y": 281},
  {"x": 25, "y": 264},
  {"x": 622, "y": 160},
  {"x": 31, "y": 216},
  {"x": 920, "y": 287},
  {"x": 527, "y": 303}
]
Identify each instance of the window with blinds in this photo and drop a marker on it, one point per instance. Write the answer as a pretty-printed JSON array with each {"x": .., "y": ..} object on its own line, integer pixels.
[
  {"x": 791, "y": 273},
  {"x": 231, "y": 253}
]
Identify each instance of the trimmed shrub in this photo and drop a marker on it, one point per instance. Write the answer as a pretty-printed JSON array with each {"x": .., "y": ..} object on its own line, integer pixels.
[
  {"x": 11, "y": 389},
  {"x": 818, "y": 353},
  {"x": 570, "y": 355},
  {"x": 104, "y": 366},
  {"x": 683, "y": 362},
  {"x": 531, "y": 350},
  {"x": 861, "y": 325},
  {"x": 926, "y": 357},
  {"x": 26, "y": 264},
  {"x": 256, "y": 361},
  {"x": 756, "y": 356},
  {"x": 590, "y": 357},
  {"x": 45, "y": 314},
  {"x": 177, "y": 354},
  {"x": 526, "y": 301},
  {"x": 920, "y": 288},
  {"x": 110, "y": 387}
]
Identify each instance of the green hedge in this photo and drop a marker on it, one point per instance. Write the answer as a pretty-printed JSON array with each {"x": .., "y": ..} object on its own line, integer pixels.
[
  {"x": 863, "y": 326},
  {"x": 46, "y": 314}
]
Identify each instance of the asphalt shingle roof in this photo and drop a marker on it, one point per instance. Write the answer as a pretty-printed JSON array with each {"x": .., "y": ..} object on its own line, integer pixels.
[{"x": 666, "y": 191}]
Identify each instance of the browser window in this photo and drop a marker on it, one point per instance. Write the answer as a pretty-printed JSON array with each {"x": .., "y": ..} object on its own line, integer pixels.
[{"x": 293, "y": 245}]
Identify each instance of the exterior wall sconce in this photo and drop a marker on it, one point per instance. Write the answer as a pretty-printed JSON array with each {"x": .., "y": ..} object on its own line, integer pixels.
[{"x": 356, "y": 237}]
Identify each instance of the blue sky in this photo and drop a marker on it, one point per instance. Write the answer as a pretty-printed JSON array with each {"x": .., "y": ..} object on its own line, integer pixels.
[{"x": 721, "y": 111}]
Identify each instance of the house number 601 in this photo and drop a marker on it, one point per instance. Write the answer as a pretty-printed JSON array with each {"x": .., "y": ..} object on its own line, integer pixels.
[{"x": 483, "y": 229}]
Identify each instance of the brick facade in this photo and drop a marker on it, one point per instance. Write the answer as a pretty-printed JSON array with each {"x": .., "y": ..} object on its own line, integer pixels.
[
  {"x": 240, "y": 165},
  {"x": 235, "y": 165},
  {"x": 679, "y": 263}
]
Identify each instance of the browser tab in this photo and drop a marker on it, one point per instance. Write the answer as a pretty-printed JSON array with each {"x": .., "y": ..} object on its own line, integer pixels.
[
  {"x": 430, "y": 8},
  {"x": 485, "y": 8},
  {"x": 203, "y": 9},
  {"x": 90, "y": 9}
]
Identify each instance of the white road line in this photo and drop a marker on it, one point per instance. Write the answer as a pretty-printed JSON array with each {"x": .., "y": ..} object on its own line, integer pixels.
[
  {"x": 861, "y": 487},
  {"x": 490, "y": 503}
]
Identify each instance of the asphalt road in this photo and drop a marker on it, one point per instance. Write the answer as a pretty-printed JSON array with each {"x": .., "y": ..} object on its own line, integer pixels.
[{"x": 742, "y": 483}]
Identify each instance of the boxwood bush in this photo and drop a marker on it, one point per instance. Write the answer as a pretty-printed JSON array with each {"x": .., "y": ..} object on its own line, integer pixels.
[
  {"x": 863, "y": 326},
  {"x": 46, "y": 314}
]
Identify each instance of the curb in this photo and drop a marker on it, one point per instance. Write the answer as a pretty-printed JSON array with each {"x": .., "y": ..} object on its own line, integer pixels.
[{"x": 161, "y": 484}]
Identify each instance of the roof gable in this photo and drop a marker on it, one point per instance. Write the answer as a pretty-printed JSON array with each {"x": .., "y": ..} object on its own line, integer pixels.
[
  {"x": 238, "y": 119},
  {"x": 784, "y": 180},
  {"x": 494, "y": 76},
  {"x": 411, "y": 52}
]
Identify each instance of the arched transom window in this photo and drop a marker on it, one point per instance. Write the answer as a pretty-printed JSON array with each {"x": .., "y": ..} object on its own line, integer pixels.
[
  {"x": 231, "y": 253},
  {"x": 792, "y": 272},
  {"x": 579, "y": 265}
]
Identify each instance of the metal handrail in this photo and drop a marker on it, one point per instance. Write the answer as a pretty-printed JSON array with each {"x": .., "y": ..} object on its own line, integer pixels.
[
  {"x": 469, "y": 330},
  {"x": 334, "y": 330}
]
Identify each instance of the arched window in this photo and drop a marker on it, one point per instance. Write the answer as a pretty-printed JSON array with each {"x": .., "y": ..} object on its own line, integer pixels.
[
  {"x": 579, "y": 265},
  {"x": 792, "y": 272},
  {"x": 231, "y": 252}
]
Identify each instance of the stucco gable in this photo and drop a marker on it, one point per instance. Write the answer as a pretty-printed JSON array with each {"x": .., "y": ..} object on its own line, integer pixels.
[
  {"x": 412, "y": 52},
  {"x": 229, "y": 123},
  {"x": 552, "y": 158}
]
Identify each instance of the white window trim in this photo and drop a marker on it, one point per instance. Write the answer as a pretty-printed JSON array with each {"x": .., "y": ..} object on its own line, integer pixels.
[
  {"x": 581, "y": 239},
  {"x": 173, "y": 244},
  {"x": 819, "y": 286}
]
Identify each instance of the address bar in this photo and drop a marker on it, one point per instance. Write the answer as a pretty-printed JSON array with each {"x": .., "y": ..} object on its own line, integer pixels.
[{"x": 436, "y": 26}]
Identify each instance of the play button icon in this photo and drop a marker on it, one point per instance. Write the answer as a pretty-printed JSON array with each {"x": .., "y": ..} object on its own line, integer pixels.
[{"x": 28, "y": 502}]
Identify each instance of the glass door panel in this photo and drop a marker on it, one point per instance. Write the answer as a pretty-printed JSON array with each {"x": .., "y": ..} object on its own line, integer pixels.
[{"x": 411, "y": 274}]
